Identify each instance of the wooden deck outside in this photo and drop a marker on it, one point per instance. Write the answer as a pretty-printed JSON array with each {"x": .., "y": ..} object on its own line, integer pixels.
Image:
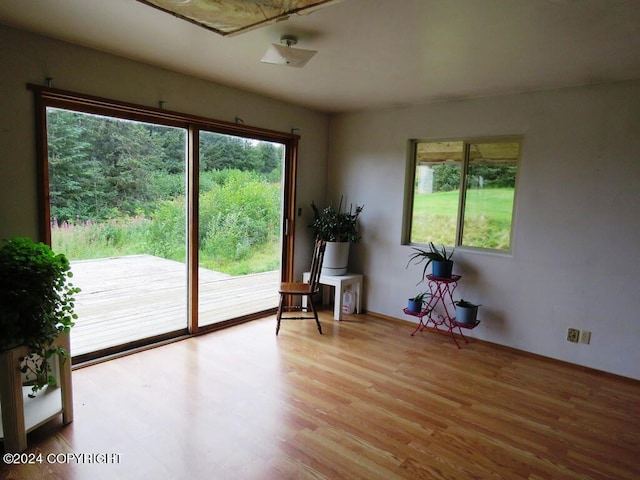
[{"x": 125, "y": 299}]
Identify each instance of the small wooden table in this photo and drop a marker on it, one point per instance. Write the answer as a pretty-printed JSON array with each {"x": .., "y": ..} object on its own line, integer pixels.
[{"x": 339, "y": 282}]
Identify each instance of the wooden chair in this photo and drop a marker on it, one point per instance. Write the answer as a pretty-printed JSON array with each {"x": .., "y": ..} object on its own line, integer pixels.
[{"x": 288, "y": 290}]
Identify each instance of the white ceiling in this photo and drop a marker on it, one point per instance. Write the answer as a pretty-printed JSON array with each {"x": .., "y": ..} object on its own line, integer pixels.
[{"x": 371, "y": 53}]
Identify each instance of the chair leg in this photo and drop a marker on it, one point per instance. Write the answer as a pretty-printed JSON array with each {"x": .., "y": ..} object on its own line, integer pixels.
[
  {"x": 279, "y": 314},
  {"x": 315, "y": 314}
]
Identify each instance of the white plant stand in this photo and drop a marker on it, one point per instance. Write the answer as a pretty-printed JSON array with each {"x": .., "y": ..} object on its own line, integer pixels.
[{"x": 340, "y": 283}]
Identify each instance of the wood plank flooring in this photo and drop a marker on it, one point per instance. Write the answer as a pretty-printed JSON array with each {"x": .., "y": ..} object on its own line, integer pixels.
[{"x": 363, "y": 401}]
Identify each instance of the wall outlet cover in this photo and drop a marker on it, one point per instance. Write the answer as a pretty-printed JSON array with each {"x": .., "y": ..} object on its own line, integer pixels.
[
  {"x": 573, "y": 335},
  {"x": 585, "y": 337}
]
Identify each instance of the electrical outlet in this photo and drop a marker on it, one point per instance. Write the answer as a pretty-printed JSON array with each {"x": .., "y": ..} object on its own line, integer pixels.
[
  {"x": 585, "y": 337},
  {"x": 573, "y": 335}
]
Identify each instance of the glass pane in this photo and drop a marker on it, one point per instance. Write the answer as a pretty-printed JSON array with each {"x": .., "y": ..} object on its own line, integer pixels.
[
  {"x": 491, "y": 182},
  {"x": 117, "y": 200},
  {"x": 436, "y": 192},
  {"x": 241, "y": 191}
]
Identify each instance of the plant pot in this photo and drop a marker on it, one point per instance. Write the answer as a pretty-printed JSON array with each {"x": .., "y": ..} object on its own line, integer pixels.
[
  {"x": 414, "y": 306},
  {"x": 336, "y": 258},
  {"x": 467, "y": 315},
  {"x": 442, "y": 268}
]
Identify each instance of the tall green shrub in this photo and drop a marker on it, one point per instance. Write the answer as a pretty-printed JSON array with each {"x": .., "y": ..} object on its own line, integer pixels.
[{"x": 237, "y": 215}]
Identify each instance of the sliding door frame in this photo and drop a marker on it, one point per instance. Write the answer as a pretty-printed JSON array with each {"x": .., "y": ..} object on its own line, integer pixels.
[{"x": 50, "y": 97}]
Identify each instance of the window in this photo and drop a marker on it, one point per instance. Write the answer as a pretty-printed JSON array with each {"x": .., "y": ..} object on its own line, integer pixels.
[{"x": 461, "y": 192}]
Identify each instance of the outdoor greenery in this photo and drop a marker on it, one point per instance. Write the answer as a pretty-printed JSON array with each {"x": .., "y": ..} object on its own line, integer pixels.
[
  {"x": 447, "y": 177},
  {"x": 118, "y": 188},
  {"x": 487, "y": 217},
  {"x": 37, "y": 304}
]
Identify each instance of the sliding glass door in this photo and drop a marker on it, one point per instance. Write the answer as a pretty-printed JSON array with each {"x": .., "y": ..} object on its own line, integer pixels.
[
  {"x": 240, "y": 221},
  {"x": 117, "y": 211},
  {"x": 172, "y": 223}
]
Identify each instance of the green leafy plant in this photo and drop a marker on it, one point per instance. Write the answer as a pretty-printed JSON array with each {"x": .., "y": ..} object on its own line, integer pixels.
[
  {"x": 465, "y": 304},
  {"x": 335, "y": 225},
  {"x": 36, "y": 304},
  {"x": 420, "y": 297},
  {"x": 433, "y": 254}
]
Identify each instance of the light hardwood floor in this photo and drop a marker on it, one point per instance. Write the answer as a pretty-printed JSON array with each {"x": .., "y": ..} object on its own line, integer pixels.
[{"x": 363, "y": 401}]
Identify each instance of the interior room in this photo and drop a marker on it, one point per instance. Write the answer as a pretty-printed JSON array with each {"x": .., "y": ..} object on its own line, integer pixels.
[{"x": 561, "y": 76}]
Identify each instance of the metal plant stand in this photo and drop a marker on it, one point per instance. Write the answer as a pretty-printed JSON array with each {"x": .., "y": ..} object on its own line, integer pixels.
[{"x": 441, "y": 319}]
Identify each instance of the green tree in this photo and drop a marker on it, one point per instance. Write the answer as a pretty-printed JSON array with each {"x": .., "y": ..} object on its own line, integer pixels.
[
  {"x": 446, "y": 178},
  {"x": 71, "y": 170},
  {"x": 127, "y": 155},
  {"x": 104, "y": 167}
]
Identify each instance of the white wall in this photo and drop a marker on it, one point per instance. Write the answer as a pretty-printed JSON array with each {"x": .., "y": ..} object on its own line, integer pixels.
[
  {"x": 575, "y": 255},
  {"x": 27, "y": 58}
]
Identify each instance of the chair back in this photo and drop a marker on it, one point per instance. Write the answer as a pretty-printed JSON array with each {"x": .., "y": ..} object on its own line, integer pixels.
[{"x": 316, "y": 264}]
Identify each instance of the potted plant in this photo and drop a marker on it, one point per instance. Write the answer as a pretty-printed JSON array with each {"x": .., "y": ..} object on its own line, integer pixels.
[
  {"x": 339, "y": 229},
  {"x": 414, "y": 304},
  {"x": 36, "y": 305},
  {"x": 441, "y": 259},
  {"x": 466, "y": 312}
]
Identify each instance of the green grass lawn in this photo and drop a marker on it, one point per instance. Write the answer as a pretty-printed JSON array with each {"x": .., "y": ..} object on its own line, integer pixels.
[{"x": 488, "y": 214}]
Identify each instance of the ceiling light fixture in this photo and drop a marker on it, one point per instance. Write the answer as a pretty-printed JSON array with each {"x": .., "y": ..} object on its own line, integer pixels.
[{"x": 285, "y": 54}]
